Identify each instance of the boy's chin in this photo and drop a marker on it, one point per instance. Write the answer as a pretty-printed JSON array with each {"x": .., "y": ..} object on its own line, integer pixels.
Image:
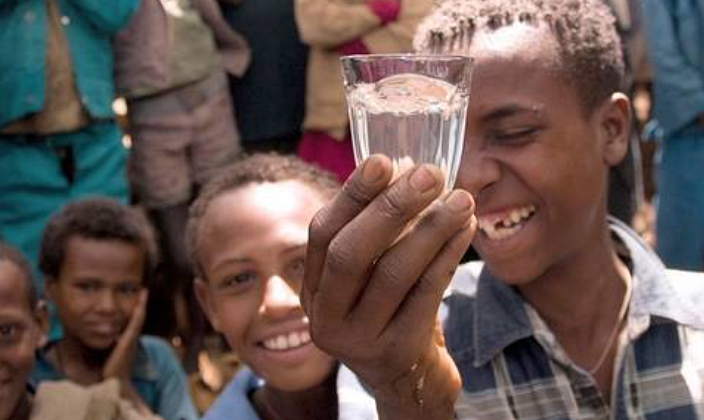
[
  {"x": 514, "y": 273},
  {"x": 100, "y": 345}
]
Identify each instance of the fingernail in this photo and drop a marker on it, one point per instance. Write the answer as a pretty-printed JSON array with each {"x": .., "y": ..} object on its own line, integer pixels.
[
  {"x": 422, "y": 179},
  {"x": 458, "y": 200},
  {"x": 373, "y": 170}
]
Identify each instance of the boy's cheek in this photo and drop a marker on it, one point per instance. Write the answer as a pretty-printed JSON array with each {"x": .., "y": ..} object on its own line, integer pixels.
[
  {"x": 17, "y": 361},
  {"x": 127, "y": 306}
]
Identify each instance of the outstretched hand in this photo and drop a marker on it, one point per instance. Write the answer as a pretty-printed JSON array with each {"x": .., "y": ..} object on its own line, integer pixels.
[{"x": 379, "y": 258}]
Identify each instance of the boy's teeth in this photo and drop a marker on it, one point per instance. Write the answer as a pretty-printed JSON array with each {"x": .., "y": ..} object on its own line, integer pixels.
[
  {"x": 516, "y": 216},
  {"x": 294, "y": 340},
  {"x": 287, "y": 341},
  {"x": 498, "y": 229}
]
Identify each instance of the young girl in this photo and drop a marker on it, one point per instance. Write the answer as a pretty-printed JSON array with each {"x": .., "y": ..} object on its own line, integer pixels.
[
  {"x": 248, "y": 233},
  {"x": 96, "y": 256}
]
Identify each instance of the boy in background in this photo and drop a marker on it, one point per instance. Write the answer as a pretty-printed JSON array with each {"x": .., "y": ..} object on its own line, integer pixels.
[
  {"x": 97, "y": 256},
  {"x": 247, "y": 233}
]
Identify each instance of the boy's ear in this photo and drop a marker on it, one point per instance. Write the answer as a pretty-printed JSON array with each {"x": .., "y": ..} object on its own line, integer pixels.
[
  {"x": 615, "y": 120},
  {"x": 41, "y": 315},
  {"x": 202, "y": 291}
]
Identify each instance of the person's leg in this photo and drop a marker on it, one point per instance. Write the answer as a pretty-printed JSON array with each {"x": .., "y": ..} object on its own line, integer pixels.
[
  {"x": 216, "y": 140},
  {"x": 166, "y": 314},
  {"x": 32, "y": 187},
  {"x": 160, "y": 175},
  {"x": 680, "y": 219},
  {"x": 100, "y": 163}
]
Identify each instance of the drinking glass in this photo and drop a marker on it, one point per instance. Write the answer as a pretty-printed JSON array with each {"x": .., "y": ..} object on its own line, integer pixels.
[{"x": 412, "y": 108}]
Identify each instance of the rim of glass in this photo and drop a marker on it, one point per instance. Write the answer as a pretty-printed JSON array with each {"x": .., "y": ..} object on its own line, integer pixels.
[{"x": 406, "y": 56}]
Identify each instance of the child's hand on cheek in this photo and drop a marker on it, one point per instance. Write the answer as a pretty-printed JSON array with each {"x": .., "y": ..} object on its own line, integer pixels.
[{"x": 119, "y": 364}]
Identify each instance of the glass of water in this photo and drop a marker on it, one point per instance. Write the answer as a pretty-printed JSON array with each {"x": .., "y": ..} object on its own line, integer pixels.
[{"x": 412, "y": 108}]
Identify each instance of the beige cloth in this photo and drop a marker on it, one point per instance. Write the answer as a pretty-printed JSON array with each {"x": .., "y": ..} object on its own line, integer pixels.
[
  {"x": 63, "y": 111},
  {"x": 327, "y": 24},
  {"x": 66, "y": 400}
]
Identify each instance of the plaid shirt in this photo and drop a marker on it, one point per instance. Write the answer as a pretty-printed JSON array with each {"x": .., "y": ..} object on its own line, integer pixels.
[{"x": 512, "y": 366}]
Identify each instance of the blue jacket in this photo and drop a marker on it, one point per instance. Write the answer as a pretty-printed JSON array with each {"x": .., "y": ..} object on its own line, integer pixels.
[
  {"x": 89, "y": 26},
  {"x": 675, "y": 30}
]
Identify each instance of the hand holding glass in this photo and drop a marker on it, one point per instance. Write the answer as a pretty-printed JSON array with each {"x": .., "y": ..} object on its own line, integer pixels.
[{"x": 412, "y": 108}]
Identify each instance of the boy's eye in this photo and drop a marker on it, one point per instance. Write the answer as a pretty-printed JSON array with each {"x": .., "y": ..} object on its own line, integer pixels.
[
  {"x": 514, "y": 135},
  {"x": 88, "y": 287},
  {"x": 128, "y": 290},
  {"x": 8, "y": 332},
  {"x": 240, "y": 279},
  {"x": 296, "y": 269}
]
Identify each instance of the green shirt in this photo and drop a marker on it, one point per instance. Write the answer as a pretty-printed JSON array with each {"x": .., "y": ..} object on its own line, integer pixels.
[
  {"x": 195, "y": 54},
  {"x": 89, "y": 26}
]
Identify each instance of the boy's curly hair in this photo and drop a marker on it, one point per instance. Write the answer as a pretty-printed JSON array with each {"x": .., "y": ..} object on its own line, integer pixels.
[
  {"x": 585, "y": 30},
  {"x": 101, "y": 219},
  {"x": 258, "y": 168}
]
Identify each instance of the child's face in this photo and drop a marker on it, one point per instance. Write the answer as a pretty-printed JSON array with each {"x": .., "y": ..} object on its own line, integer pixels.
[
  {"x": 97, "y": 289},
  {"x": 534, "y": 160},
  {"x": 21, "y": 334},
  {"x": 253, "y": 257}
]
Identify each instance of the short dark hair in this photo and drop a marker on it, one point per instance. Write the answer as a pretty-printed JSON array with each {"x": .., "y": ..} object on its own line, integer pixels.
[
  {"x": 258, "y": 168},
  {"x": 100, "y": 219},
  {"x": 14, "y": 256},
  {"x": 586, "y": 32}
]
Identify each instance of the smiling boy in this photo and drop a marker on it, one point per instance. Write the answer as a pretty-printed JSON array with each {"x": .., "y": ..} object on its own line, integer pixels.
[
  {"x": 570, "y": 315},
  {"x": 247, "y": 234}
]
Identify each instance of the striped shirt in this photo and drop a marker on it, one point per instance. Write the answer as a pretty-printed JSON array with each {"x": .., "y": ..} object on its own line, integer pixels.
[{"x": 513, "y": 368}]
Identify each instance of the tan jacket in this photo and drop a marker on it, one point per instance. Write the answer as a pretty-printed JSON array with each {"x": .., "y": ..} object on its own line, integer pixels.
[{"x": 327, "y": 24}]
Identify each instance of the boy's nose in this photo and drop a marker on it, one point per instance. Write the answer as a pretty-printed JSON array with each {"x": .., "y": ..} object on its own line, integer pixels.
[
  {"x": 107, "y": 301},
  {"x": 279, "y": 297},
  {"x": 478, "y": 170}
]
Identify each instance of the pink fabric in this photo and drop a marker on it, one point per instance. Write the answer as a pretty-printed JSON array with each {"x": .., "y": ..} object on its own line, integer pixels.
[
  {"x": 327, "y": 152},
  {"x": 386, "y": 10},
  {"x": 354, "y": 47}
]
